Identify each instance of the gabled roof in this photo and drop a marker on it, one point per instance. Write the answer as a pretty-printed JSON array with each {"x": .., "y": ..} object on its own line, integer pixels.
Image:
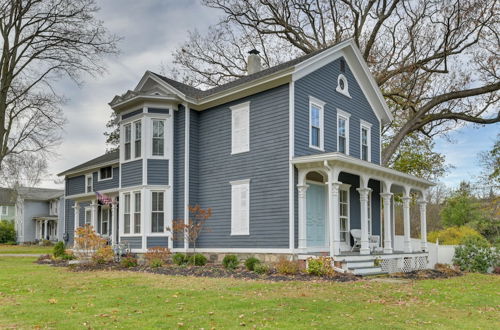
[
  {"x": 108, "y": 158},
  {"x": 9, "y": 196}
]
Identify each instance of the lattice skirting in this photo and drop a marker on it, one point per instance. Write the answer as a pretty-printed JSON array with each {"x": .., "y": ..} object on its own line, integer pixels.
[{"x": 403, "y": 264}]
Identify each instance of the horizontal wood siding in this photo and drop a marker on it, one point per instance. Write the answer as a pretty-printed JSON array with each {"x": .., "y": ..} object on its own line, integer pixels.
[
  {"x": 134, "y": 242},
  {"x": 69, "y": 220},
  {"x": 155, "y": 241},
  {"x": 266, "y": 165},
  {"x": 178, "y": 188},
  {"x": 321, "y": 84},
  {"x": 131, "y": 173},
  {"x": 107, "y": 184},
  {"x": 75, "y": 185},
  {"x": 158, "y": 171}
]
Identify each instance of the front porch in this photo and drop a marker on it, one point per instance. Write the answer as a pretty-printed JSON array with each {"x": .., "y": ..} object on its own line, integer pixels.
[
  {"x": 46, "y": 228},
  {"x": 346, "y": 211}
]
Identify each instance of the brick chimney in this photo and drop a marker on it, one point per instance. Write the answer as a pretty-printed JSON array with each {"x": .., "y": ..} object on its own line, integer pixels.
[{"x": 253, "y": 62}]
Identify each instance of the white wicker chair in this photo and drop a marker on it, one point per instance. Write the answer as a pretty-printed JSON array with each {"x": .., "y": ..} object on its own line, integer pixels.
[{"x": 356, "y": 235}]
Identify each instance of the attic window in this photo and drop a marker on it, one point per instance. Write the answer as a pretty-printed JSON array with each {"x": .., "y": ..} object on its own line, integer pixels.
[
  {"x": 342, "y": 85},
  {"x": 342, "y": 66}
]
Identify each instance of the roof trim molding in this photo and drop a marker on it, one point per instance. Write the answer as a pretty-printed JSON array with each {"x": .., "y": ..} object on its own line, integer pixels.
[{"x": 88, "y": 168}]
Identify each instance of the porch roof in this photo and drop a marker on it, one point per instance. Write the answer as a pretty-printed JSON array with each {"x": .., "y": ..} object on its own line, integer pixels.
[
  {"x": 45, "y": 217},
  {"x": 360, "y": 167}
]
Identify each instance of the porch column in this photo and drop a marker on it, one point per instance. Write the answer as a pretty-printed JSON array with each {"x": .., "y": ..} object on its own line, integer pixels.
[
  {"x": 302, "y": 216},
  {"x": 76, "y": 207},
  {"x": 386, "y": 197},
  {"x": 46, "y": 229},
  {"x": 406, "y": 218},
  {"x": 363, "y": 200},
  {"x": 334, "y": 219},
  {"x": 93, "y": 217},
  {"x": 423, "y": 224},
  {"x": 113, "y": 223}
]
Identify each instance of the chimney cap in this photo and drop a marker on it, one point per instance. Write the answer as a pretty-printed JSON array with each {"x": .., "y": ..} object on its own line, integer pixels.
[{"x": 254, "y": 51}]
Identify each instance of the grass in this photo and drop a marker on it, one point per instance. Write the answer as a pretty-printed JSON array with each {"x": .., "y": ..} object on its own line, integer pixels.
[
  {"x": 25, "y": 249},
  {"x": 40, "y": 296}
]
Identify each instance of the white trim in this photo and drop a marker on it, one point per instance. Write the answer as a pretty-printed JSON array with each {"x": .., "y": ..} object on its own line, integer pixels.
[
  {"x": 91, "y": 176},
  {"x": 365, "y": 125},
  {"x": 346, "y": 188},
  {"x": 291, "y": 172},
  {"x": 99, "y": 179},
  {"x": 345, "y": 90},
  {"x": 187, "y": 129},
  {"x": 236, "y": 210},
  {"x": 244, "y": 181},
  {"x": 345, "y": 116},
  {"x": 321, "y": 105},
  {"x": 85, "y": 222},
  {"x": 242, "y": 108}
]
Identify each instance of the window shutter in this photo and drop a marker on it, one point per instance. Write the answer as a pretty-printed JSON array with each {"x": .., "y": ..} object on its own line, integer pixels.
[
  {"x": 240, "y": 209},
  {"x": 240, "y": 129}
]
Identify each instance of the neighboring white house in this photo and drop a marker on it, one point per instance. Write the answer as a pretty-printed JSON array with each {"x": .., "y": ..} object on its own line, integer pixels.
[{"x": 7, "y": 204}]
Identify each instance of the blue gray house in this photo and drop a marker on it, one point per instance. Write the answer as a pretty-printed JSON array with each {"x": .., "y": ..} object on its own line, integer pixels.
[{"x": 287, "y": 157}]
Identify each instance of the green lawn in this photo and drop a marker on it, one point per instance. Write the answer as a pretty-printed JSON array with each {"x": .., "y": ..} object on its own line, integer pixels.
[
  {"x": 25, "y": 249},
  {"x": 39, "y": 296}
]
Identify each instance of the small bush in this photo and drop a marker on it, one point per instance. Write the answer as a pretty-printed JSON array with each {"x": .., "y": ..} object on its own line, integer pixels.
[
  {"x": 59, "y": 250},
  {"x": 104, "y": 255},
  {"x": 321, "y": 266},
  {"x": 261, "y": 268},
  {"x": 475, "y": 255},
  {"x": 197, "y": 260},
  {"x": 251, "y": 262},
  {"x": 452, "y": 235},
  {"x": 156, "y": 263},
  {"x": 7, "y": 232},
  {"x": 157, "y": 254},
  {"x": 287, "y": 267},
  {"x": 179, "y": 259},
  {"x": 128, "y": 261},
  {"x": 230, "y": 261},
  {"x": 68, "y": 255}
]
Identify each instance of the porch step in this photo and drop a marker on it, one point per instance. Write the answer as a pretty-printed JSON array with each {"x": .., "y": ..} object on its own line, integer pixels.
[
  {"x": 360, "y": 264},
  {"x": 366, "y": 271}
]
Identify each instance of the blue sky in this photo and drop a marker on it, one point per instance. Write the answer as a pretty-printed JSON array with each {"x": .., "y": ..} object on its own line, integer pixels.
[{"x": 151, "y": 31}]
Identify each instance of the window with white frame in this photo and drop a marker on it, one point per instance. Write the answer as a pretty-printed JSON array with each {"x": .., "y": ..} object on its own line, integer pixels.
[
  {"x": 105, "y": 221},
  {"x": 89, "y": 183},
  {"x": 365, "y": 141},
  {"x": 240, "y": 207},
  {"x": 157, "y": 212},
  {"x": 137, "y": 212},
  {"x": 88, "y": 215},
  {"x": 105, "y": 173},
  {"x": 343, "y": 132},
  {"x": 316, "y": 111},
  {"x": 344, "y": 215},
  {"x": 128, "y": 141},
  {"x": 158, "y": 137},
  {"x": 240, "y": 128},
  {"x": 137, "y": 139},
  {"x": 126, "y": 213}
]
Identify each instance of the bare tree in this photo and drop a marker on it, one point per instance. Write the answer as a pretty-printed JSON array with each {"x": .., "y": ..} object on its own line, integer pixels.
[
  {"x": 436, "y": 62},
  {"x": 43, "y": 41}
]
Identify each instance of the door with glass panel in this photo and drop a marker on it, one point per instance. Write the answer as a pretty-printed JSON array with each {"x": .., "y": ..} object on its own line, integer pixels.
[
  {"x": 345, "y": 238},
  {"x": 316, "y": 215}
]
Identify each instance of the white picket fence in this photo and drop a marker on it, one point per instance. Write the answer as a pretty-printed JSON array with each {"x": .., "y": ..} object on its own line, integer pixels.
[{"x": 442, "y": 254}]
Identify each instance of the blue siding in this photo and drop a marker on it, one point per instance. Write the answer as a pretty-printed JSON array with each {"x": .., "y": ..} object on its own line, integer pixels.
[
  {"x": 107, "y": 184},
  {"x": 134, "y": 242},
  {"x": 266, "y": 165},
  {"x": 155, "y": 241},
  {"x": 131, "y": 173},
  {"x": 194, "y": 150},
  {"x": 69, "y": 218},
  {"x": 322, "y": 84},
  {"x": 158, "y": 171},
  {"x": 178, "y": 188},
  {"x": 75, "y": 185},
  {"x": 131, "y": 114}
]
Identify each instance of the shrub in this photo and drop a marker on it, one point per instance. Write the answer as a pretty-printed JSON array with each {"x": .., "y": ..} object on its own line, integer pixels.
[
  {"x": 261, "y": 268},
  {"x": 59, "y": 250},
  {"x": 197, "y": 260},
  {"x": 103, "y": 255},
  {"x": 475, "y": 255},
  {"x": 287, "y": 267},
  {"x": 7, "y": 232},
  {"x": 156, "y": 263},
  {"x": 251, "y": 262},
  {"x": 128, "y": 261},
  {"x": 230, "y": 261},
  {"x": 452, "y": 235},
  {"x": 321, "y": 266},
  {"x": 157, "y": 255},
  {"x": 87, "y": 242},
  {"x": 68, "y": 255},
  {"x": 179, "y": 259}
]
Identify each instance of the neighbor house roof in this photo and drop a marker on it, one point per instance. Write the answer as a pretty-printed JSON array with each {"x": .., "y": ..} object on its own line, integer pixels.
[
  {"x": 41, "y": 194},
  {"x": 108, "y": 158},
  {"x": 7, "y": 196}
]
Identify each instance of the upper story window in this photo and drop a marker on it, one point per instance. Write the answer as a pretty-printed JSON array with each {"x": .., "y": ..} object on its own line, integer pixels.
[
  {"x": 316, "y": 131},
  {"x": 343, "y": 132},
  {"x": 240, "y": 207},
  {"x": 137, "y": 138},
  {"x": 342, "y": 85},
  {"x": 365, "y": 141},
  {"x": 157, "y": 212},
  {"x": 128, "y": 141},
  {"x": 89, "y": 183},
  {"x": 158, "y": 137},
  {"x": 105, "y": 173},
  {"x": 53, "y": 207},
  {"x": 240, "y": 128}
]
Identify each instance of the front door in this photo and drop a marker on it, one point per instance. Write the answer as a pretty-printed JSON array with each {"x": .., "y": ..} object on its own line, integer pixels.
[{"x": 316, "y": 215}]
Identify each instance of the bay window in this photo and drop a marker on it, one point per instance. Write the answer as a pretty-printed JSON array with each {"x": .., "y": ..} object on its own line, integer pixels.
[
  {"x": 137, "y": 138},
  {"x": 157, "y": 212},
  {"x": 158, "y": 137},
  {"x": 128, "y": 139},
  {"x": 137, "y": 212},
  {"x": 126, "y": 214}
]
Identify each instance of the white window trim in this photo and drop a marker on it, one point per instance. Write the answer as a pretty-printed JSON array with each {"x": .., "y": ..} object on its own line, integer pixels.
[
  {"x": 321, "y": 105},
  {"x": 131, "y": 212},
  {"x": 108, "y": 211},
  {"x": 344, "y": 115},
  {"x": 344, "y": 91},
  {"x": 366, "y": 125},
  {"x": 161, "y": 233},
  {"x": 134, "y": 138},
  {"x": 99, "y": 179},
  {"x": 131, "y": 122},
  {"x": 91, "y": 176},
  {"x": 240, "y": 107},
  {"x": 347, "y": 189},
  {"x": 87, "y": 208},
  {"x": 246, "y": 183}
]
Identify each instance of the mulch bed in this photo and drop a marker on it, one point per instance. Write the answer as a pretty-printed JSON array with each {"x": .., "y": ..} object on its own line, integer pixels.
[
  {"x": 427, "y": 274},
  {"x": 209, "y": 270}
]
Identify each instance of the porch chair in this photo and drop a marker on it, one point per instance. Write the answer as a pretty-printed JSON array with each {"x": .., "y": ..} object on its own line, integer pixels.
[
  {"x": 356, "y": 235},
  {"x": 374, "y": 242}
]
